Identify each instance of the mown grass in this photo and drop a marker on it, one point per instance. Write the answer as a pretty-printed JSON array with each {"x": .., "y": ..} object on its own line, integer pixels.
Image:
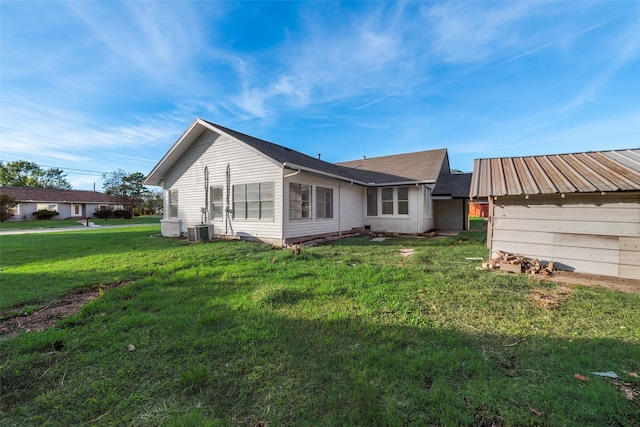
[
  {"x": 66, "y": 223},
  {"x": 350, "y": 333}
]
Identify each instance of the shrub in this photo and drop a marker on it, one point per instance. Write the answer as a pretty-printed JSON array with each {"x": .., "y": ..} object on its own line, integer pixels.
[
  {"x": 121, "y": 213},
  {"x": 7, "y": 203},
  {"x": 45, "y": 214},
  {"x": 105, "y": 213}
]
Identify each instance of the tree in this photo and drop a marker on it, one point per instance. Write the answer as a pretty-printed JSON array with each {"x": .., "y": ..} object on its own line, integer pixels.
[
  {"x": 7, "y": 203},
  {"x": 126, "y": 187},
  {"x": 151, "y": 202},
  {"x": 28, "y": 174}
]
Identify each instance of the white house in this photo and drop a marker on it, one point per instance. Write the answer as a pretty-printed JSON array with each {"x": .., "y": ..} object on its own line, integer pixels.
[
  {"x": 68, "y": 203},
  {"x": 580, "y": 210},
  {"x": 238, "y": 185}
]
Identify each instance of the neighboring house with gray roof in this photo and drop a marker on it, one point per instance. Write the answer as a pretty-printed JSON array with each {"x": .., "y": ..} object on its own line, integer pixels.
[
  {"x": 580, "y": 210},
  {"x": 68, "y": 203},
  {"x": 234, "y": 184}
]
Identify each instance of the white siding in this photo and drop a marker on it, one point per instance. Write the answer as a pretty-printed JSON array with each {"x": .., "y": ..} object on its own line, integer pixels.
[
  {"x": 246, "y": 166},
  {"x": 410, "y": 223},
  {"x": 347, "y": 207},
  {"x": 597, "y": 234}
]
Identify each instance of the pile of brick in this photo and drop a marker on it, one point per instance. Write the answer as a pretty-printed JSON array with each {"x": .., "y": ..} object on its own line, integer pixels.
[{"x": 518, "y": 264}]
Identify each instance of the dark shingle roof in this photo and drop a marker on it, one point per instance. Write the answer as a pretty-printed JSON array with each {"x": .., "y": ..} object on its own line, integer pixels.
[
  {"x": 455, "y": 185},
  {"x": 287, "y": 155},
  {"x": 405, "y": 168},
  {"x": 28, "y": 194},
  {"x": 423, "y": 166}
]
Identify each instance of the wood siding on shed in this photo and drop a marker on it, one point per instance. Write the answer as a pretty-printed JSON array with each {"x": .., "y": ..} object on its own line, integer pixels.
[{"x": 597, "y": 234}]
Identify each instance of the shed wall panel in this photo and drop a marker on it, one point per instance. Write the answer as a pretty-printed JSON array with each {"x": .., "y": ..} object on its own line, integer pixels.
[
  {"x": 598, "y": 236},
  {"x": 629, "y": 258}
]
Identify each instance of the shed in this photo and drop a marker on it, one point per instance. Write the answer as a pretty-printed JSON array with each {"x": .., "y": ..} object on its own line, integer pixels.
[{"x": 580, "y": 210}]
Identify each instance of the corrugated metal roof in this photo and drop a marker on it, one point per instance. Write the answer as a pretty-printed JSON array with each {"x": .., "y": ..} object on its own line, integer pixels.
[{"x": 586, "y": 172}]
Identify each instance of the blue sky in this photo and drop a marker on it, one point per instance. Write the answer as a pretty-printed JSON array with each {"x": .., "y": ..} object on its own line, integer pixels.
[{"x": 94, "y": 86}]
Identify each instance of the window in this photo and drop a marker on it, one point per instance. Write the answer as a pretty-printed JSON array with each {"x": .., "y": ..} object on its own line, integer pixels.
[
  {"x": 173, "y": 203},
  {"x": 103, "y": 207},
  {"x": 240, "y": 201},
  {"x": 403, "y": 200},
  {"x": 299, "y": 201},
  {"x": 266, "y": 200},
  {"x": 427, "y": 198},
  {"x": 387, "y": 201},
  {"x": 14, "y": 210},
  {"x": 47, "y": 206},
  {"x": 372, "y": 202},
  {"x": 324, "y": 202},
  {"x": 76, "y": 209},
  {"x": 215, "y": 195},
  {"x": 253, "y": 201}
]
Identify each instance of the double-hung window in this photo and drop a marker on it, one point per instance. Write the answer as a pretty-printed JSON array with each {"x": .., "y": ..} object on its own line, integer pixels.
[
  {"x": 387, "y": 201},
  {"x": 173, "y": 203},
  {"x": 253, "y": 201},
  {"x": 403, "y": 200},
  {"x": 215, "y": 195},
  {"x": 324, "y": 202},
  {"x": 372, "y": 202},
  {"x": 299, "y": 201}
]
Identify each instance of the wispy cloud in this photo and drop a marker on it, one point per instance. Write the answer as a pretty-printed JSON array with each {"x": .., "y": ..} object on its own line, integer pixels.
[{"x": 467, "y": 32}]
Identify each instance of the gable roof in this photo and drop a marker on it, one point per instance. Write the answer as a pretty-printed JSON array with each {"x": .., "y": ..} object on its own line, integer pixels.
[
  {"x": 587, "y": 172},
  {"x": 54, "y": 195},
  {"x": 423, "y": 166},
  {"x": 455, "y": 185},
  {"x": 292, "y": 159}
]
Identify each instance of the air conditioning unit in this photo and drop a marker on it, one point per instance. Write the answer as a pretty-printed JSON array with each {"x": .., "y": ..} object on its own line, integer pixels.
[{"x": 199, "y": 233}]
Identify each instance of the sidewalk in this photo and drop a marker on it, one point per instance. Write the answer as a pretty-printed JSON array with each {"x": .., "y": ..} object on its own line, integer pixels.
[{"x": 78, "y": 228}]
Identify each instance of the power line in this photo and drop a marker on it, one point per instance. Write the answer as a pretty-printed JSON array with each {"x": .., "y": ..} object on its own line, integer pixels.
[
  {"x": 67, "y": 120},
  {"x": 84, "y": 171},
  {"x": 101, "y": 151}
]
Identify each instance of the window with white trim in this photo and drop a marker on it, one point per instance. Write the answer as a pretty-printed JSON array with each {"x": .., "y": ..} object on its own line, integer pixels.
[
  {"x": 403, "y": 200},
  {"x": 324, "y": 202},
  {"x": 372, "y": 202},
  {"x": 47, "y": 206},
  {"x": 387, "y": 201},
  {"x": 299, "y": 201},
  {"x": 173, "y": 203},
  {"x": 215, "y": 196},
  {"x": 253, "y": 201}
]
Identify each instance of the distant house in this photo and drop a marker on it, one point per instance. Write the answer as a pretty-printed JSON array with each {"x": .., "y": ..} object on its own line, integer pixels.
[
  {"x": 239, "y": 185},
  {"x": 68, "y": 203},
  {"x": 580, "y": 210}
]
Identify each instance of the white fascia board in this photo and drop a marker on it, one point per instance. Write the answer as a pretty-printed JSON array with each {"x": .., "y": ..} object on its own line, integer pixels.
[{"x": 317, "y": 172}]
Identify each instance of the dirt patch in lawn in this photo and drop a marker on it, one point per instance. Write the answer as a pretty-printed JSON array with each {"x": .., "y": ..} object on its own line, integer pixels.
[
  {"x": 551, "y": 298},
  {"x": 617, "y": 283},
  {"x": 47, "y": 316}
]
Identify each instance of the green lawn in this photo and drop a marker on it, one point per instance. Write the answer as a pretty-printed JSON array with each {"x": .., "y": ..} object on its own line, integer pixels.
[
  {"x": 66, "y": 223},
  {"x": 348, "y": 333}
]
